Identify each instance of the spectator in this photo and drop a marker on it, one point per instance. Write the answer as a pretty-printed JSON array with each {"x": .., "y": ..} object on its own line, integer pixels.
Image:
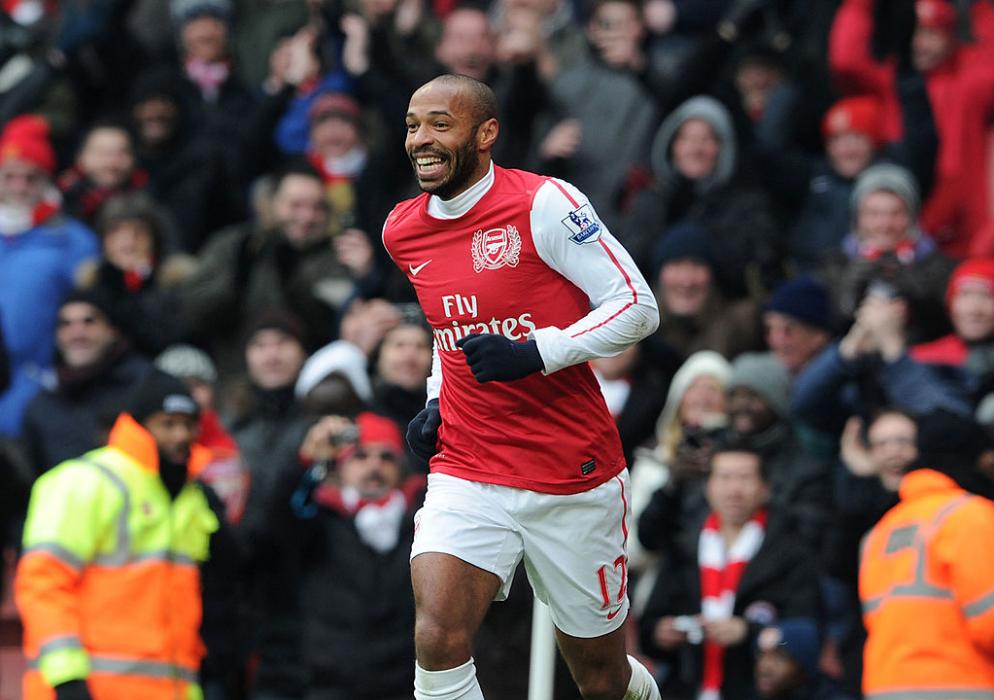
[
  {"x": 105, "y": 166},
  {"x": 961, "y": 91},
  {"x": 887, "y": 246},
  {"x": 871, "y": 368},
  {"x": 815, "y": 192},
  {"x": 970, "y": 301},
  {"x": 354, "y": 529},
  {"x": 335, "y": 381},
  {"x": 139, "y": 273},
  {"x": 787, "y": 661},
  {"x": 402, "y": 362},
  {"x": 603, "y": 114},
  {"x": 876, "y": 460},
  {"x": 188, "y": 173},
  {"x": 759, "y": 415},
  {"x": 799, "y": 324},
  {"x": 668, "y": 479},
  {"x": 116, "y": 536},
  {"x": 97, "y": 371},
  {"x": 929, "y": 541},
  {"x": 40, "y": 251},
  {"x": 694, "y": 313},
  {"x": 225, "y": 473},
  {"x": 697, "y": 177},
  {"x": 269, "y": 431},
  {"x": 729, "y": 574},
  {"x": 634, "y": 391},
  {"x": 291, "y": 264}
]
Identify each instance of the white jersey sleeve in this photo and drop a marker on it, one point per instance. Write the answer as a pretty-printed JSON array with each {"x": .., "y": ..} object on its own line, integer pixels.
[
  {"x": 434, "y": 383},
  {"x": 572, "y": 241}
]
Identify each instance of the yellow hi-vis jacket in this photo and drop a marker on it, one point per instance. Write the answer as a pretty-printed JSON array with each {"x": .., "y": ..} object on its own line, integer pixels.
[
  {"x": 108, "y": 587},
  {"x": 926, "y": 582}
]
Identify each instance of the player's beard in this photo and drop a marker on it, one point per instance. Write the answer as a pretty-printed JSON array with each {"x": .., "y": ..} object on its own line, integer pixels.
[{"x": 464, "y": 162}]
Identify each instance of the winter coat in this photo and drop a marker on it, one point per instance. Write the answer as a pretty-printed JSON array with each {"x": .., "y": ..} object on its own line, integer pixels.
[
  {"x": 780, "y": 581},
  {"x": 962, "y": 95},
  {"x": 37, "y": 271},
  {"x": 616, "y": 116},
  {"x": 829, "y": 389},
  {"x": 745, "y": 236},
  {"x": 74, "y": 418},
  {"x": 245, "y": 269}
]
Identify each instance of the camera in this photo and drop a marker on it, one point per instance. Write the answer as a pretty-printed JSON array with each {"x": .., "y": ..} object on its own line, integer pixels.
[
  {"x": 690, "y": 626},
  {"x": 345, "y": 437}
]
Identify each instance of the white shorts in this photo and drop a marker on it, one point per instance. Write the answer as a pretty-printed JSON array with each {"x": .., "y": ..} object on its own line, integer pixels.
[{"x": 574, "y": 546}]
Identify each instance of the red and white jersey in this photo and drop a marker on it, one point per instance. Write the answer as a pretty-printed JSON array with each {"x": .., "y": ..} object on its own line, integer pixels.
[{"x": 524, "y": 256}]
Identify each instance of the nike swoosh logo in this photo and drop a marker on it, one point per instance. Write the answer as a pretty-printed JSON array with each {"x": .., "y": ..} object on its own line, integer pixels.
[
  {"x": 419, "y": 268},
  {"x": 613, "y": 614}
]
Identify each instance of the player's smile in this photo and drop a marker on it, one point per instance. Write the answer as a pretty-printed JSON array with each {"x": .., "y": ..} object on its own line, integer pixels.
[{"x": 430, "y": 166}]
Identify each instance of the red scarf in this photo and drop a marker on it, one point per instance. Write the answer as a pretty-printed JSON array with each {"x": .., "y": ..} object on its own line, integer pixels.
[
  {"x": 721, "y": 571},
  {"x": 905, "y": 252}
]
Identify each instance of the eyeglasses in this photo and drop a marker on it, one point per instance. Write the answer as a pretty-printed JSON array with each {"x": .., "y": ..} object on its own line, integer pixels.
[{"x": 384, "y": 455}]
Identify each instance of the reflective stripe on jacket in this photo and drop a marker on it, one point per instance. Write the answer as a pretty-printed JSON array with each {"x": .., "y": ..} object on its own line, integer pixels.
[
  {"x": 108, "y": 587},
  {"x": 927, "y": 588}
]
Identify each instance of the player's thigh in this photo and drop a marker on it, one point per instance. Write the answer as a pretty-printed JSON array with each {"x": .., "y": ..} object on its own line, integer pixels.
[
  {"x": 576, "y": 560},
  {"x": 465, "y": 551}
]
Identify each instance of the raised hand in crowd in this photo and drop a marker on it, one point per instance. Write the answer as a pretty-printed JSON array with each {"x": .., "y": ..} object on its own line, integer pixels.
[
  {"x": 355, "y": 251},
  {"x": 366, "y": 322},
  {"x": 325, "y": 439}
]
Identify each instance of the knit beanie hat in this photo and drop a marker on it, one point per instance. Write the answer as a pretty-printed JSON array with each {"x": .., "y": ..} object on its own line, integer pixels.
[
  {"x": 936, "y": 14},
  {"x": 686, "y": 241},
  {"x": 764, "y": 374},
  {"x": 187, "y": 362},
  {"x": 182, "y": 11},
  {"x": 334, "y": 104},
  {"x": 377, "y": 430},
  {"x": 798, "y": 637},
  {"x": 279, "y": 320},
  {"x": 978, "y": 270},
  {"x": 860, "y": 114},
  {"x": 26, "y": 138},
  {"x": 159, "y": 392},
  {"x": 804, "y": 299},
  {"x": 101, "y": 301},
  {"x": 888, "y": 178},
  {"x": 342, "y": 357}
]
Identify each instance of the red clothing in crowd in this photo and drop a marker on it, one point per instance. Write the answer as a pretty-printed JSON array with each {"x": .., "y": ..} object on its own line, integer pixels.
[{"x": 962, "y": 95}]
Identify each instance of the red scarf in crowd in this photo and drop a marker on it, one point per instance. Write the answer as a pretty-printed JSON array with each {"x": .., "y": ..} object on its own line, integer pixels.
[{"x": 721, "y": 571}]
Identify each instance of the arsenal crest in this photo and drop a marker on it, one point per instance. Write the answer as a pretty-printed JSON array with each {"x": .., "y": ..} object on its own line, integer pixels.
[{"x": 495, "y": 248}]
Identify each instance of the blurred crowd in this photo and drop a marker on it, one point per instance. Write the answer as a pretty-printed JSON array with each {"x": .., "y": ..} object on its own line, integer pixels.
[{"x": 200, "y": 185}]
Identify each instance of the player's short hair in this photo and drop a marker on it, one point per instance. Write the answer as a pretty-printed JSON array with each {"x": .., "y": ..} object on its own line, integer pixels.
[
  {"x": 481, "y": 96},
  {"x": 740, "y": 446}
]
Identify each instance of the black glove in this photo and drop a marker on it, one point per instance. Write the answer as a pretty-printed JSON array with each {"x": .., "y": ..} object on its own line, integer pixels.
[
  {"x": 422, "y": 432},
  {"x": 494, "y": 358},
  {"x": 72, "y": 690}
]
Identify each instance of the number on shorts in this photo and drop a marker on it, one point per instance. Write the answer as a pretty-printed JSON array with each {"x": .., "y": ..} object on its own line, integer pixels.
[{"x": 621, "y": 561}]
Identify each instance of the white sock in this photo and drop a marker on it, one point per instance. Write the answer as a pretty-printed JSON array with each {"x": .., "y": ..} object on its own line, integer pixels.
[
  {"x": 452, "y": 684},
  {"x": 641, "y": 686}
]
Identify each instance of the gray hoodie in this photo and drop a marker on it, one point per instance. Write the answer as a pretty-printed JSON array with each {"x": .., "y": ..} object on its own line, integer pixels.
[{"x": 714, "y": 113}]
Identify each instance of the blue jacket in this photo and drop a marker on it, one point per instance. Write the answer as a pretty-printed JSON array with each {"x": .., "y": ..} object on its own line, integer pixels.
[
  {"x": 830, "y": 389},
  {"x": 293, "y": 132},
  {"x": 37, "y": 271}
]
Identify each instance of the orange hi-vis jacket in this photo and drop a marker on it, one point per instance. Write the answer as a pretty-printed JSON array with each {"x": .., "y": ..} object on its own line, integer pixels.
[
  {"x": 108, "y": 587},
  {"x": 926, "y": 582}
]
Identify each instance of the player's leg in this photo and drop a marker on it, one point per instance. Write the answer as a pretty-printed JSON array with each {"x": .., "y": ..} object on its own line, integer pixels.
[
  {"x": 602, "y": 669},
  {"x": 451, "y": 598},
  {"x": 464, "y": 554}
]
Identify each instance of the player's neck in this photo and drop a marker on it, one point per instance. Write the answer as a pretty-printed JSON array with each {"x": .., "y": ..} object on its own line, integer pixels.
[{"x": 464, "y": 201}]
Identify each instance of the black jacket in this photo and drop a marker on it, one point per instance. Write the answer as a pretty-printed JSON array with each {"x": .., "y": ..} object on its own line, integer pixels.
[
  {"x": 782, "y": 579},
  {"x": 64, "y": 423}
]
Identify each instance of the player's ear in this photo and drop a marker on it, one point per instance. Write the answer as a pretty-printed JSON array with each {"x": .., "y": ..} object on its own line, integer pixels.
[{"x": 486, "y": 135}]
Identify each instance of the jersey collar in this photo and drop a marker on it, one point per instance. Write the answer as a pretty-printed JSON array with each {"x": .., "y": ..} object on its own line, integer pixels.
[{"x": 461, "y": 203}]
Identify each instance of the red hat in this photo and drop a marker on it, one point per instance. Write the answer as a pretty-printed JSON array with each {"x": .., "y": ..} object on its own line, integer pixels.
[
  {"x": 936, "y": 14},
  {"x": 977, "y": 270},
  {"x": 334, "y": 104},
  {"x": 26, "y": 138},
  {"x": 860, "y": 114},
  {"x": 377, "y": 430}
]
